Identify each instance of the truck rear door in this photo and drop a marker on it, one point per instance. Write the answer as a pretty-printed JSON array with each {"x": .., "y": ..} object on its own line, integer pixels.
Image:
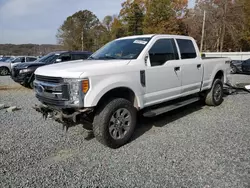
[{"x": 191, "y": 67}]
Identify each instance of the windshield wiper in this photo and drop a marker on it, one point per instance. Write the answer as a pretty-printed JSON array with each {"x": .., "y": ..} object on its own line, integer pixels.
[{"x": 91, "y": 57}]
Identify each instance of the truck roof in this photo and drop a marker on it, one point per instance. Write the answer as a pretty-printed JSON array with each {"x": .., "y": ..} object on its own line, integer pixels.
[{"x": 153, "y": 35}]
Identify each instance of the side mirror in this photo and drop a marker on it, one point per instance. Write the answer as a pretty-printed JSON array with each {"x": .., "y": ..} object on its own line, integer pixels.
[
  {"x": 203, "y": 55},
  {"x": 58, "y": 60}
]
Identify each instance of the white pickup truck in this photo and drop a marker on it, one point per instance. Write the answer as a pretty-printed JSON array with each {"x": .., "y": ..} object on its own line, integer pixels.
[{"x": 152, "y": 74}]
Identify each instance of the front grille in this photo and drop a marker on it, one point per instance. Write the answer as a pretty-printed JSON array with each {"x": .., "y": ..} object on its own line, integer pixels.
[
  {"x": 49, "y": 79},
  {"x": 48, "y": 101}
]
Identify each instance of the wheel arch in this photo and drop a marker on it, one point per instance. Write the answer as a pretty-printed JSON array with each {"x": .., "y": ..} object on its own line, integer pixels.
[
  {"x": 220, "y": 75},
  {"x": 120, "y": 92},
  {"x": 2, "y": 66}
]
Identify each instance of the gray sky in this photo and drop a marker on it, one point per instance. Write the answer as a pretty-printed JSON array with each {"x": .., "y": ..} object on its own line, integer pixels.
[{"x": 37, "y": 21}]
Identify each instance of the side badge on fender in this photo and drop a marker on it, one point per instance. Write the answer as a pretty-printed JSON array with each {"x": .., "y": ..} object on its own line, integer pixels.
[{"x": 143, "y": 78}]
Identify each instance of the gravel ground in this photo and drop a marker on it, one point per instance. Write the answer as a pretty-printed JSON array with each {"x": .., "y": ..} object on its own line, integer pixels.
[{"x": 195, "y": 146}]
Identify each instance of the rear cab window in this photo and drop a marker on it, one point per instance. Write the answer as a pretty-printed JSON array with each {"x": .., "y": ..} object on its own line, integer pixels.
[
  {"x": 187, "y": 49},
  {"x": 65, "y": 57},
  {"x": 30, "y": 59}
]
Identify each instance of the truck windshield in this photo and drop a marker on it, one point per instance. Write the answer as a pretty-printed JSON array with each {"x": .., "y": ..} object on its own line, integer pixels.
[
  {"x": 121, "y": 49},
  {"x": 4, "y": 59},
  {"x": 50, "y": 58}
]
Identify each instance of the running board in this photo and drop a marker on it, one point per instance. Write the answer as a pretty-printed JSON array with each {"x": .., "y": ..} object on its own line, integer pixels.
[{"x": 164, "y": 109}]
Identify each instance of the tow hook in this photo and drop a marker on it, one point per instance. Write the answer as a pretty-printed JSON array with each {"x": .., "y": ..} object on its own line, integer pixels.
[
  {"x": 44, "y": 110},
  {"x": 67, "y": 120}
]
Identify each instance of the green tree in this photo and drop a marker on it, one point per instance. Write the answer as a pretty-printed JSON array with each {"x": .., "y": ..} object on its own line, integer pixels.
[
  {"x": 132, "y": 16},
  {"x": 117, "y": 29},
  {"x": 81, "y": 25},
  {"x": 160, "y": 17},
  {"x": 245, "y": 40},
  {"x": 223, "y": 25},
  {"x": 107, "y": 22}
]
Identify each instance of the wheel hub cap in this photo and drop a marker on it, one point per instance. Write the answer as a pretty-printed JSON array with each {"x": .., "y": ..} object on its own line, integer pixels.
[
  {"x": 119, "y": 123},
  {"x": 217, "y": 92}
]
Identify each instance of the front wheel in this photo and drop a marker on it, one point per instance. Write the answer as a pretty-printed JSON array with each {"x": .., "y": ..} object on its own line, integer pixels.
[
  {"x": 4, "y": 71},
  {"x": 114, "y": 123},
  {"x": 215, "y": 96}
]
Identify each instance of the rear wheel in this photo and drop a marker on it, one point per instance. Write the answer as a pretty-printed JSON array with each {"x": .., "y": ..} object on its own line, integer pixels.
[
  {"x": 215, "y": 96},
  {"x": 4, "y": 71},
  {"x": 114, "y": 123}
]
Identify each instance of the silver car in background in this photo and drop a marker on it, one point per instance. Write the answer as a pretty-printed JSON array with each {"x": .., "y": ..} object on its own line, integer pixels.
[{"x": 6, "y": 66}]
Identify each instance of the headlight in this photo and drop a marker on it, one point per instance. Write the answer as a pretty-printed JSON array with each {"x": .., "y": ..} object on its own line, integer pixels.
[
  {"x": 25, "y": 71},
  {"x": 75, "y": 87}
]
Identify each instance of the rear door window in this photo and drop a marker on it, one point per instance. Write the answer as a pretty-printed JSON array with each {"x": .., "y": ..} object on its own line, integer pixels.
[
  {"x": 187, "y": 49},
  {"x": 30, "y": 59},
  {"x": 19, "y": 59},
  {"x": 79, "y": 56},
  {"x": 65, "y": 57}
]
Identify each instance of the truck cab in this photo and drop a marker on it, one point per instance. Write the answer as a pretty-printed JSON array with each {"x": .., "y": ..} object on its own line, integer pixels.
[{"x": 152, "y": 74}]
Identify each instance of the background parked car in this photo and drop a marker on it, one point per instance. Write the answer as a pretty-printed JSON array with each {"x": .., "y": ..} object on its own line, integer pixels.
[
  {"x": 22, "y": 59},
  {"x": 24, "y": 72},
  {"x": 246, "y": 66},
  {"x": 6, "y": 66},
  {"x": 239, "y": 66},
  {"x": 5, "y": 58}
]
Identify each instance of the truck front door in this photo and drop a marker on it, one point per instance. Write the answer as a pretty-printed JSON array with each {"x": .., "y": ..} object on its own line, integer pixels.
[{"x": 163, "y": 73}]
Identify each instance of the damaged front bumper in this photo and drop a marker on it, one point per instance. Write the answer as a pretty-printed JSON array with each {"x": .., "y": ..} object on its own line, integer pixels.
[{"x": 68, "y": 117}]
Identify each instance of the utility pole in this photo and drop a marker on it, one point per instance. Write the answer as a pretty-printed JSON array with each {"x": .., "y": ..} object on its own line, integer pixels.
[{"x": 203, "y": 31}]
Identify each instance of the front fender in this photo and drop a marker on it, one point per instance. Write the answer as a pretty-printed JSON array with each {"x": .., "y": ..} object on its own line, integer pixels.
[{"x": 100, "y": 85}]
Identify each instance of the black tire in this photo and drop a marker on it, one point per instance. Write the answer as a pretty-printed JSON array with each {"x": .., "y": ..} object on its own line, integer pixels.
[
  {"x": 233, "y": 69},
  {"x": 214, "y": 97},
  {"x": 102, "y": 122},
  {"x": 31, "y": 84},
  {"x": 4, "y": 71}
]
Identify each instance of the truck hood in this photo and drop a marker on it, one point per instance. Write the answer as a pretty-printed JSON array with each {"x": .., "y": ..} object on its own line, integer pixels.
[
  {"x": 74, "y": 69},
  {"x": 29, "y": 64}
]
